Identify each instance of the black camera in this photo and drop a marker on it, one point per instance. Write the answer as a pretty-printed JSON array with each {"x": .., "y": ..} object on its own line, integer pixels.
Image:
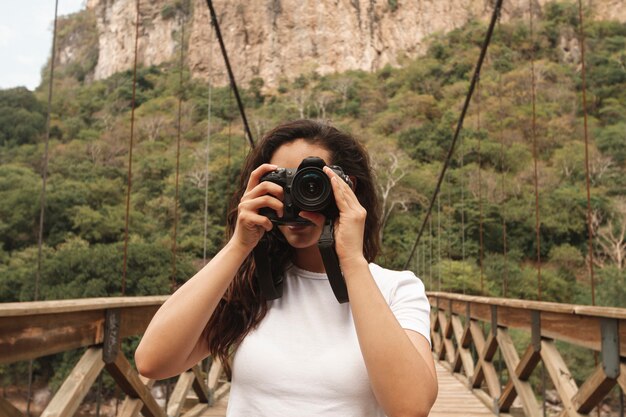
[{"x": 306, "y": 188}]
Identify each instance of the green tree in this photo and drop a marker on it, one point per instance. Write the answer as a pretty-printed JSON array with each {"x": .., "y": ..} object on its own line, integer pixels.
[{"x": 22, "y": 117}]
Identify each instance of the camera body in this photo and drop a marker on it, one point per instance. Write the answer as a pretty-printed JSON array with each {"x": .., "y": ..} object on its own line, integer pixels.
[{"x": 306, "y": 188}]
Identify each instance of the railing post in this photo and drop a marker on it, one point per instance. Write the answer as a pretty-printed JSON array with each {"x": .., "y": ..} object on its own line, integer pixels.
[
  {"x": 494, "y": 320},
  {"x": 605, "y": 376},
  {"x": 112, "y": 342},
  {"x": 120, "y": 369},
  {"x": 466, "y": 339},
  {"x": 446, "y": 327},
  {"x": 609, "y": 331},
  {"x": 535, "y": 330}
]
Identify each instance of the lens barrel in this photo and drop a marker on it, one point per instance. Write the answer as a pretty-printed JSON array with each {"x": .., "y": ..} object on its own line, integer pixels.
[{"x": 311, "y": 189}]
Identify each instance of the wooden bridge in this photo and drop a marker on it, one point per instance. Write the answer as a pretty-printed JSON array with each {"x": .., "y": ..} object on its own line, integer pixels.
[{"x": 472, "y": 338}]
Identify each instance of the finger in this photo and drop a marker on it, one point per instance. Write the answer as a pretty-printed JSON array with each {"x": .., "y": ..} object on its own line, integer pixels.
[
  {"x": 351, "y": 196},
  {"x": 257, "y": 220},
  {"x": 340, "y": 189},
  {"x": 348, "y": 192},
  {"x": 317, "y": 218},
  {"x": 256, "y": 175},
  {"x": 264, "y": 201},
  {"x": 265, "y": 187},
  {"x": 340, "y": 198}
]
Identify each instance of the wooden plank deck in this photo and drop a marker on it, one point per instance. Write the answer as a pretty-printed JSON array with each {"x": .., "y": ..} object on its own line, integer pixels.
[{"x": 454, "y": 400}]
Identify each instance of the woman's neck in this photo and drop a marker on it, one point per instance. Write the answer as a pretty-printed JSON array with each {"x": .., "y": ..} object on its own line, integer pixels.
[{"x": 309, "y": 259}]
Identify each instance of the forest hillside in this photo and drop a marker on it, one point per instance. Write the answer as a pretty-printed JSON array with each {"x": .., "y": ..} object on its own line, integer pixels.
[{"x": 405, "y": 116}]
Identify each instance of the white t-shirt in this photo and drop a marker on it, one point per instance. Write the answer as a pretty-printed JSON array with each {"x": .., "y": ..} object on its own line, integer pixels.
[{"x": 304, "y": 357}]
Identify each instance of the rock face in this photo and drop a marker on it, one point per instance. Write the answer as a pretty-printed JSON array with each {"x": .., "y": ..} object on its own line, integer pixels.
[
  {"x": 116, "y": 24},
  {"x": 275, "y": 39}
]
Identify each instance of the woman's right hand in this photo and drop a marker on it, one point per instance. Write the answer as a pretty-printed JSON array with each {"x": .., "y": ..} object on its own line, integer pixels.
[{"x": 250, "y": 225}]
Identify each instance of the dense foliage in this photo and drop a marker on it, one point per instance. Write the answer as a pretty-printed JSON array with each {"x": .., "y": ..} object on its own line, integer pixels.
[{"x": 406, "y": 116}]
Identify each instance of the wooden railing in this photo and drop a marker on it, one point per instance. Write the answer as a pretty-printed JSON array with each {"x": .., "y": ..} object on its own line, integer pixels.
[
  {"x": 30, "y": 330},
  {"x": 468, "y": 331}
]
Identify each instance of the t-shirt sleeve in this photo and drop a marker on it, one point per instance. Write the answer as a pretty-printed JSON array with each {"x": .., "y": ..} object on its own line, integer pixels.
[{"x": 410, "y": 305}]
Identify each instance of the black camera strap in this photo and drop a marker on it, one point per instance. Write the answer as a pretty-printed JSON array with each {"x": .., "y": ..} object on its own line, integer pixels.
[
  {"x": 269, "y": 288},
  {"x": 326, "y": 245},
  {"x": 273, "y": 289}
]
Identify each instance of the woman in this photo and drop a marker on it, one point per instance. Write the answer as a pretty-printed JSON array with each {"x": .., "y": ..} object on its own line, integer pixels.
[{"x": 303, "y": 354}]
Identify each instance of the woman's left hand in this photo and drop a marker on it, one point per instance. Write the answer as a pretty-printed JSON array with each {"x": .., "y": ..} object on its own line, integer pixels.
[{"x": 350, "y": 225}]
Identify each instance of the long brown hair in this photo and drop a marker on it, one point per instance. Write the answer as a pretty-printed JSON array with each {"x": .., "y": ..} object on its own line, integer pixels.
[{"x": 243, "y": 307}]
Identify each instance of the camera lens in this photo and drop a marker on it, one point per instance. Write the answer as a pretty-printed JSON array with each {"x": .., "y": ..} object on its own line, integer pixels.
[
  {"x": 311, "y": 185},
  {"x": 311, "y": 189}
]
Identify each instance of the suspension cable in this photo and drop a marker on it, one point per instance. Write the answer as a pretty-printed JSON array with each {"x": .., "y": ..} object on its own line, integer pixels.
[
  {"x": 42, "y": 197},
  {"x": 178, "y": 130},
  {"x": 587, "y": 179},
  {"x": 431, "y": 253},
  {"x": 505, "y": 281},
  {"x": 130, "y": 152},
  {"x": 534, "y": 138},
  {"x": 228, "y": 154},
  {"x": 233, "y": 84},
  {"x": 423, "y": 263},
  {"x": 207, "y": 153},
  {"x": 468, "y": 98},
  {"x": 449, "y": 221},
  {"x": 462, "y": 183},
  {"x": 480, "y": 194},
  {"x": 438, "y": 243},
  {"x": 416, "y": 265},
  {"x": 44, "y": 180},
  {"x": 586, "y": 130}
]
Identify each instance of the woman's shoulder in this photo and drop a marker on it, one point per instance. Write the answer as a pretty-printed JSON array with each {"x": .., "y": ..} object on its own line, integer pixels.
[
  {"x": 390, "y": 280},
  {"x": 406, "y": 296}
]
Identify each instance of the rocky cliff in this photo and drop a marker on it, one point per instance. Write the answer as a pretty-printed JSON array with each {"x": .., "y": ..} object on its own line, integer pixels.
[{"x": 273, "y": 39}]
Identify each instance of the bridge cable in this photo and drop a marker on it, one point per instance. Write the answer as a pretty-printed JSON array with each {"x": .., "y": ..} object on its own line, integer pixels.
[
  {"x": 415, "y": 265},
  {"x": 130, "y": 152},
  {"x": 586, "y": 131},
  {"x": 502, "y": 206},
  {"x": 462, "y": 183},
  {"x": 480, "y": 193},
  {"x": 231, "y": 77},
  {"x": 431, "y": 252},
  {"x": 534, "y": 138},
  {"x": 207, "y": 154},
  {"x": 228, "y": 162},
  {"x": 178, "y": 135},
  {"x": 501, "y": 115},
  {"x": 450, "y": 220},
  {"x": 438, "y": 243},
  {"x": 99, "y": 394},
  {"x": 475, "y": 77},
  {"x": 42, "y": 197},
  {"x": 505, "y": 282},
  {"x": 536, "y": 184},
  {"x": 587, "y": 178},
  {"x": 423, "y": 263}
]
